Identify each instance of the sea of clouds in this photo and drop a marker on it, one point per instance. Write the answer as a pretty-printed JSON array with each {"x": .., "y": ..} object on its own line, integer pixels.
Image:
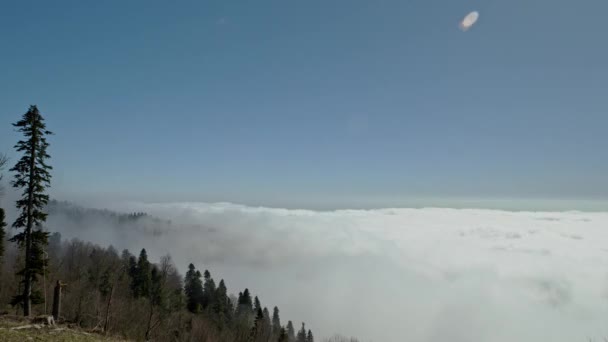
[{"x": 393, "y": 275}]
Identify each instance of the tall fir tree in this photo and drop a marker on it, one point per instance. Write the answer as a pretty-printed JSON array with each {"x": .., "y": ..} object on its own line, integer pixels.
[
  {"x": 157, "y": 292},
  {"x": 309, "y": 337},
  {"x": 291, "y": 332},
  {"x": 157, "y": 295},
  {"x": 208, "y": 290},
  {"x": 267, "y": 325},
  {"x": 125, "y": 258},
  {"x": 132, "y": 270},
  {"x": 257, "y": 330},
  {"x": 256, "y": 304},
  {"x": 302, "y": 334},
  {"x": 276, "y": 322},
  {"x": 3, "y": 161},
  {"x": 245, "y": 306},
  {"x": 193, "y": 288},
  {"x": 32, "y": 174},
  {"x": 283, "y": 335},
  {"x": 222, "y": 307},
  {"x": 245, "y": 317},
  {"x": 247, "y": 299},
  {"x": 142, "y": 281},
  {"x": 2, "y": 235}
]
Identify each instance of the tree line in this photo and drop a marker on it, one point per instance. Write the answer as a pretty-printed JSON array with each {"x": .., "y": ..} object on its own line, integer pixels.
[{"x": 108, "y": 292}]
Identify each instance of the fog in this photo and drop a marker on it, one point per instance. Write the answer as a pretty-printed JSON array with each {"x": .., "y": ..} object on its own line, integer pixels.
[{"x": 392, "y": 274}]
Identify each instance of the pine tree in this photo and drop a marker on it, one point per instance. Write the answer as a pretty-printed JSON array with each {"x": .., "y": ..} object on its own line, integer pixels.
[
  {"x": 142, "y": 281},
  {"x": 157, "y": 290},
  {"x": 291, "y": 332},
  {"x": 33, "y": 176},
  {"x": 208, "y": 290},
  {"x": 193, "y": 288},
  {"x": 310, "y": 338},
  {"x": 283, "y": 335},
  {"x": 125, "y": 258},
  {"x": 132, "y": 270},
  {"x": 222, "y": 307},
  {"x": 267, "y": 325},
  {"x": 302, "y": 334},
  {"x": 256, "y": 304},
  {"x": 258, "y": 327},
  {"x": 105, "y": 283},
  {"x": 157, "y": 297},
  {"x": 2, "y": 235},
  {"x": 3, "y": 161},
  {"x": 247, "y": 299},
  {"x": 276, "y": 322},
  {"x": 245, "y": 307}
]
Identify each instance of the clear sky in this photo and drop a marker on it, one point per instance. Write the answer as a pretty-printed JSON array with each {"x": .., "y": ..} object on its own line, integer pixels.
[{"x": 316, "y": 101}]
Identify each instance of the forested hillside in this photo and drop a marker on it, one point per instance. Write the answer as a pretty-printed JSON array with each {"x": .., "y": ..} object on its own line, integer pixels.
[
  {"x": 81, "y": 218},
  {"x": 108, "y": 291},
  {"x": 129, "y": 295}
]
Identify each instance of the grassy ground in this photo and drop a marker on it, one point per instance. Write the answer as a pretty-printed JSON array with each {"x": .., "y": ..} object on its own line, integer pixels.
[{"x": 59, "y": 333}]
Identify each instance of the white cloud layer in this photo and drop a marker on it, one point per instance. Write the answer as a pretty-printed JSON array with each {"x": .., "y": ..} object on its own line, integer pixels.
[{"x": 458, "y": 275}]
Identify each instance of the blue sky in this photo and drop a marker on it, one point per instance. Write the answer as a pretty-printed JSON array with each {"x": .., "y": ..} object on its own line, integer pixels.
[{"x": 313, "y": 101}]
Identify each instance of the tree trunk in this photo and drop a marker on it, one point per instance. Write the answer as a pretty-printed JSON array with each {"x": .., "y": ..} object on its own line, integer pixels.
[
  {"x": 17, "y": 306},
  {"x": 27, "y": 290},
  {"x": 107, "y": 320},
  {"x": 149, "y": 328},
  {"x": 57, "y": 301},
  {"x": 79, "y": 308}
]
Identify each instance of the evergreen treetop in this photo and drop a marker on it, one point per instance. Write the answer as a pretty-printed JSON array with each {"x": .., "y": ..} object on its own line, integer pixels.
[
  {"x": 256, "y": 304},
  {"x": 291, "y": 332},
  {"x": 193, "y": 288},
  {"x": 302, "y": 334},
  {"x": 309, "y": 337},
  {"x": 276, "y": 321}
]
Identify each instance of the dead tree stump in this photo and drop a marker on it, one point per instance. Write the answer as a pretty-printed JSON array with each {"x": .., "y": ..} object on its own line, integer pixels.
[{"x": 57, "y": 300}]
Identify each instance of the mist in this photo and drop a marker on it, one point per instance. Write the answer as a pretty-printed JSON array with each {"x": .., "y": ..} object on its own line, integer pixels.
[{"x": 426, "y": 274}]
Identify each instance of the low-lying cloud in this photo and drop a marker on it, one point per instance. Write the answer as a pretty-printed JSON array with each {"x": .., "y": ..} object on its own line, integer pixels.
[{"x": 394, "y": 274}]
